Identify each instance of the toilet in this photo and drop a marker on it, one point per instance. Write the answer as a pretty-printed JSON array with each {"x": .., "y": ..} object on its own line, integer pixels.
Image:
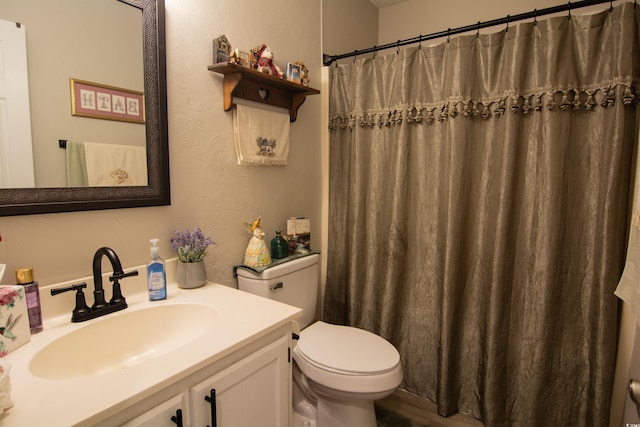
[{"x": 338, "y": 371}]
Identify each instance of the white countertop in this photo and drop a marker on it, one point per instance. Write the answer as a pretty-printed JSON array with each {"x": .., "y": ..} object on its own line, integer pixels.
[{"x": 241, "y": 318}]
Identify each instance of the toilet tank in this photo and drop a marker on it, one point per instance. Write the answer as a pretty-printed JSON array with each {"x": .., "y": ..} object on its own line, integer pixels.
[{"x": 293, "y": 282}]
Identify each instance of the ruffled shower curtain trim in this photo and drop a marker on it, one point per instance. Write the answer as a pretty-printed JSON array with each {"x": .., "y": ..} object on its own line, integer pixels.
[{"x": 603, "y": 95}]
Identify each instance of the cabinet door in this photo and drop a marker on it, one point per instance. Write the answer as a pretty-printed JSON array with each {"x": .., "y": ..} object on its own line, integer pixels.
[
  {"x": 253, "y": 392},
  {"x": 160, "y": 416}
]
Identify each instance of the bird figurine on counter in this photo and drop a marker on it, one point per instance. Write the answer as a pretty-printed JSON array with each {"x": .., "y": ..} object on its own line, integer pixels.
[{"x": 257, "y": 253}]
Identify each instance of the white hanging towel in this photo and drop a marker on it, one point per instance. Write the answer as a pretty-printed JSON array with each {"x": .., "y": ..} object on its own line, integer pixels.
[
  {"x": 261, "y": 136},
  {"x": 110, "y": 165}
]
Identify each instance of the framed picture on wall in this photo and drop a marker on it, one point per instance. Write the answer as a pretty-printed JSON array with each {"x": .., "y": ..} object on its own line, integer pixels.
[{"x": 100, "y": 101}]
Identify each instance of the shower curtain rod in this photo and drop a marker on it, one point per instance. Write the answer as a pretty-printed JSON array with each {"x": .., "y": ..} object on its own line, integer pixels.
[{"x": 329, "y": 59}]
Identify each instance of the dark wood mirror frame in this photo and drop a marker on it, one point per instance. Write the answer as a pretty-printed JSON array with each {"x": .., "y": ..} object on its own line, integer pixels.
[{"x": 26, "y": 201}]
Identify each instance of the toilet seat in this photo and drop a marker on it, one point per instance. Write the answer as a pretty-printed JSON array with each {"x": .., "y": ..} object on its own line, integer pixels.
[
  {"x": 347, "y": 350},
  {"x": 347, "y": 359}
]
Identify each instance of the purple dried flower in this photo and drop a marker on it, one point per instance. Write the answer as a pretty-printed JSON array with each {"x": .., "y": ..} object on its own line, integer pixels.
[{"x": 191, "y": 246}]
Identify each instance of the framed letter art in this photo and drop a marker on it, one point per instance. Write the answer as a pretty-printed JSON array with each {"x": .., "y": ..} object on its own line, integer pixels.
[{"x": 106, "y": 102}]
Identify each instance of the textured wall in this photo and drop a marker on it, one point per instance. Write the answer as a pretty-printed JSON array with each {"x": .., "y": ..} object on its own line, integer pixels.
[{"x": 208, "y": 189}]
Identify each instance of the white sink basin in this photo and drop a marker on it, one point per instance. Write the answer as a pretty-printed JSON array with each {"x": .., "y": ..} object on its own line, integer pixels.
[{"x": 122, "y": 340}]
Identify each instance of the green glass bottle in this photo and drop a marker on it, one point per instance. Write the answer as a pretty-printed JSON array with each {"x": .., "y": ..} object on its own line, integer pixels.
[{"x": 279, "y": 246}]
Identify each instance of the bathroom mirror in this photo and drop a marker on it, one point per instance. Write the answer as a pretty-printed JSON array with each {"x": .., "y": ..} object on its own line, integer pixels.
[{"x": 23, "y": 201}]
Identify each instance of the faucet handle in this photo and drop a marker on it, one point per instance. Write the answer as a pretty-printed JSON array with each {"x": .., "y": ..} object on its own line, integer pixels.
[
  {"x": 81, "y": 308},
  {"x": 117, "y": 298},
  {"x": 121, "y": 275}
]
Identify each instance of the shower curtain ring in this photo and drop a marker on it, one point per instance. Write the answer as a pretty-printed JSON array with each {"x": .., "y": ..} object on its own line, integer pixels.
[
  {"x": 535, "y": 16},
  {"x": 398, "y": 47},
  {"x": 569, "y": 15},
  {"x": 478, "y": 29},
  {"x": 448, "y": 35},
  {"x": 420, "y": 41},
  {"x": 507, "y": 29},
  {"x": 355, "y": 55},
  {"x": 611, "y": 6},
  {"x": 375, "y": 51}
]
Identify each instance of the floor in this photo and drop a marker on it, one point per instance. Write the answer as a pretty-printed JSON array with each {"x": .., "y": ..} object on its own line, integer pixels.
[{"x": 424, "y": 411}]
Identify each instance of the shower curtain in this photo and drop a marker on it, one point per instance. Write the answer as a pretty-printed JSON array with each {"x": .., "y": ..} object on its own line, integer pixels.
[{"x": 478, "y": 213}]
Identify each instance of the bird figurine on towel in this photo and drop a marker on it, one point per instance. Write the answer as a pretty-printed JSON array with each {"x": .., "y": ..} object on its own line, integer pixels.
[{"x": 257, "y": 253}]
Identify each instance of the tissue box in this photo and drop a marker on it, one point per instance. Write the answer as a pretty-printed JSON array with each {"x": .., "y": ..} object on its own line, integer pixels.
[
  {"x": 299, "y": 235},
  {"x": 297, "y": 226},
  {"x": 14, "y": 319}
]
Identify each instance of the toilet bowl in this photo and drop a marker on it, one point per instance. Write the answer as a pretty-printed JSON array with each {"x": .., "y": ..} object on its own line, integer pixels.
[
  {"x": 338, "y": 371},
  {"x": 343, "y": 370}
]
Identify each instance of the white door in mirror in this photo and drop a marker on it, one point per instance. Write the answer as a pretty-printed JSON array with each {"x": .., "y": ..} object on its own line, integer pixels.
[{"x": 16, "y": 159}]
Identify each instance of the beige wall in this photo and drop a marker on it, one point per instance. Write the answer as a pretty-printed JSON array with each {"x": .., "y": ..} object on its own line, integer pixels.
[
  {"x": 208, "y": 189},
  {"x": 348, "y": 25}
]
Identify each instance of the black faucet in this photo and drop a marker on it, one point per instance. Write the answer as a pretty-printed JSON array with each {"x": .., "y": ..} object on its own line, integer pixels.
[
  {"x": 98, "y": 291},
  {"x": 100, "y": 307}
]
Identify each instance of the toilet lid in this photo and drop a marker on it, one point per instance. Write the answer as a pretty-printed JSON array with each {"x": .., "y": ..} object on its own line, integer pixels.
[{"x": 347, "y": 349}]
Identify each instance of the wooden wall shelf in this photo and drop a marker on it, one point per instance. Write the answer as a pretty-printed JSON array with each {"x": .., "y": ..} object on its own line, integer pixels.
[{"x": 247, "y": 83}]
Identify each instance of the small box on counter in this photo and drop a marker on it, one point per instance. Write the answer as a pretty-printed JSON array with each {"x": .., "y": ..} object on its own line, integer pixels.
[
  {"x": 14, "y": 320},
  {"x": 297, "y": 226},
  {"x": 299, "y": 235}
]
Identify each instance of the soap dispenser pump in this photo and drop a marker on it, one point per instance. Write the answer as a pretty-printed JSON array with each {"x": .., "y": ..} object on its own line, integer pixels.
[{"x": 156, "y": 274}]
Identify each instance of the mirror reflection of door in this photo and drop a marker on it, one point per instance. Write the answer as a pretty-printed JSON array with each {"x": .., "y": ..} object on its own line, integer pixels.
[
  {"x": 16, "y": 154},
  {"x": 99, "y": 41}
]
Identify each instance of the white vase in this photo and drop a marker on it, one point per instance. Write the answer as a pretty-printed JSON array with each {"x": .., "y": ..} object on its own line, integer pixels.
[{"x": 191, "y": 275}]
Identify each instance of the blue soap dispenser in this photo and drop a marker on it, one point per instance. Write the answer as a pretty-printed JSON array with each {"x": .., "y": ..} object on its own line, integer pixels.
[{"x": 156, "y": 275}]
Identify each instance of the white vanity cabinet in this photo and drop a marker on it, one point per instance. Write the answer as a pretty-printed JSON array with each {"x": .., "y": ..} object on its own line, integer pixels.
[
  {"x": 250, "y": 387},
  {"x": 253, "y": 392},
  {"x": 236, "y": 343},
  {"x": 164, "y": 415}
]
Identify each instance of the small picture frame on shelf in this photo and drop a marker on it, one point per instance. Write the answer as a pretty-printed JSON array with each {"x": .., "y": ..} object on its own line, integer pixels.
[
  {"x": 293, "y": 73},
  {"x": 243, "y": 58},
  {"x": 221, "y": 50}
]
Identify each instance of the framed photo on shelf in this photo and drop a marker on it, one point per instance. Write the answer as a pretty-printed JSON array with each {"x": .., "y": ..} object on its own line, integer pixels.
[
  {"x": 221, "y": 50},
  {"x": 293, "y": 73},
  {"x": 100, "y": 101},
  {"x": 243, "y": 58}
]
